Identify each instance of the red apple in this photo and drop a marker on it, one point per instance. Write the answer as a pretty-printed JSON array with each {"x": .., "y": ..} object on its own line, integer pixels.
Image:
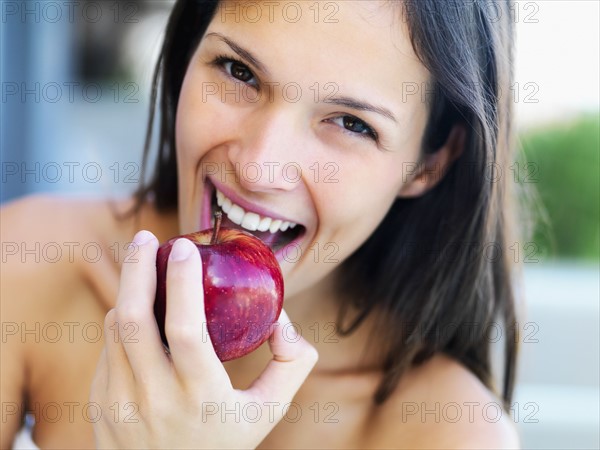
[{"x": 243, "y": 288}]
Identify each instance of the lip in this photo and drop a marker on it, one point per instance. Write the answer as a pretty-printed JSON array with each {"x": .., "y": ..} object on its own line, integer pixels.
[
  {"x": 206, "y": 214},
  {"x": 209, "y": 190}
]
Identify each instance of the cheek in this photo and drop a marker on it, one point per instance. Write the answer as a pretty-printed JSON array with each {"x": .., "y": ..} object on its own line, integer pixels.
[
  {"x": 354, "y": 207},
  {"x": 184, "y": 132},
  {"x": 365, "y": 189},
  {"x": 201, "y": 122}
]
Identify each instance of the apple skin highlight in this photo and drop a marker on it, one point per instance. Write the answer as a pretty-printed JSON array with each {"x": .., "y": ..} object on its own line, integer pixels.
[{"x": 243, "y": 289}]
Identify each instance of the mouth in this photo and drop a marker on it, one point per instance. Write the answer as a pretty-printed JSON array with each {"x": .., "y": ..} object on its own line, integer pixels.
[{"x": 277, "y": 232}]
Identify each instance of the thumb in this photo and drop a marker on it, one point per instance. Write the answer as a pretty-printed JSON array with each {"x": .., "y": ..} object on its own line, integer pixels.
[{"x": 293, "y": 359}]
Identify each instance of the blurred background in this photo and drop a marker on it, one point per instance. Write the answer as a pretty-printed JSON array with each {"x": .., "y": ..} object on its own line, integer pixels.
[{"x": 75, "y": 84}]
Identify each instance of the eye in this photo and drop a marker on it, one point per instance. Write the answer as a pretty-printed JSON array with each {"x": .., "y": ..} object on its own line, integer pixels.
[
  {"x": 356, "y": 126},
  {"x": 239, "y": 71},
  {"x": 236, "y": 69}
]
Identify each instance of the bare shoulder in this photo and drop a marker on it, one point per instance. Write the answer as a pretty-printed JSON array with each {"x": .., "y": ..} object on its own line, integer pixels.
[
  {"x": 49, "y": 222},
  {"x": 49, "y": 244},
  {"x": 443, "y": 405},
  {"x": 37, "y": 217}
]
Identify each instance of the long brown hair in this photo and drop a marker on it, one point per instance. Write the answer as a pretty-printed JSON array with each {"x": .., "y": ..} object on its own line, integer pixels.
[{"x": 439, "y": 281}]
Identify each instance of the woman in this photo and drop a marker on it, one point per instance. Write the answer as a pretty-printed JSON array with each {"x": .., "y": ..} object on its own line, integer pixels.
[{"x": 369, "y": 125}]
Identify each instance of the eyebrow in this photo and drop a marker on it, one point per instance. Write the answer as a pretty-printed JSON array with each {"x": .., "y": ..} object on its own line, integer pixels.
[
  {"x": 352, "y": 103},
  {"x": 348, "y": 102},
  {"x": 241, "y": 52}
]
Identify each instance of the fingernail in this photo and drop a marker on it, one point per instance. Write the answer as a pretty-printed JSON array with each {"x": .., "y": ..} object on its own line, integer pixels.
[
  {"x": 182, "y": 249},
  {"x": 142, "y": 237}
]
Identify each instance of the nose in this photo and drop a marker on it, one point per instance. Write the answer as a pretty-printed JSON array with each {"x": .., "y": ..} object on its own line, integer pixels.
[{"x": 265, "y": 156}]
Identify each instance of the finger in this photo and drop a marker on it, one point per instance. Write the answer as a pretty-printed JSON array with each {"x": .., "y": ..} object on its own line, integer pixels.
[
  {"x": 100, "y": 381},
  {"x": 185, "y": 326},
  {"x": 293, "y": 359},
  {"x": 138, "y": 332},
  {"x": 117, "y": 367}
]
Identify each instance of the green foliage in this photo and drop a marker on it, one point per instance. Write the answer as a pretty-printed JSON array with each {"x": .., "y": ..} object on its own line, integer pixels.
[{"x": 564, "y": 168}]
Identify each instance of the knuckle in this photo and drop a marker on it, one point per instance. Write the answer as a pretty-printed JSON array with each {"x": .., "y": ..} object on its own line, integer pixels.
[
  {"x": 183, "y": 334},
  {"x": 129, "y": 314},
  {"x": 110, "y": 319},
  {"x": 111, "y": 316}
]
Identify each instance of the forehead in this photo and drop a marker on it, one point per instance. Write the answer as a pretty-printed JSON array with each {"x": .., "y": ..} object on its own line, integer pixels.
[{"x": 344, "y": 41}]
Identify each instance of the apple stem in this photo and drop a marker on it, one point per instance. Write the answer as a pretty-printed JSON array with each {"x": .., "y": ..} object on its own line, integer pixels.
[{"x": 217, "y": 226}]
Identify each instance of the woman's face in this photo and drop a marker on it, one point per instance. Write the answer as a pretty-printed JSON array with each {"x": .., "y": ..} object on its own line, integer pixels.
[{"x": 300, "y": 112}]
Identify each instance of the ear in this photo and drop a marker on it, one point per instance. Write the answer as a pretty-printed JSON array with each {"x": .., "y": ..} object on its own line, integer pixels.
[{"x": 431, "y": 169}]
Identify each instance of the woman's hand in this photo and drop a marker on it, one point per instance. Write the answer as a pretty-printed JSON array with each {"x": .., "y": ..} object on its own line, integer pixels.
[{"x": 151, "y": 399}]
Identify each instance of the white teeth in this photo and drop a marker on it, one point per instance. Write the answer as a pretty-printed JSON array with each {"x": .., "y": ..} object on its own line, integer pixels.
[
  {"x": 292, "y": 226},
  {"x": 236, "y": 214},
  {"x": 226, "y": 206},
  {"x": 220, "y": 198},
  {"x": 275, "y": 226},
  {"x": 264, "y": 224},
  {"x": 249, "y": 220}
]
